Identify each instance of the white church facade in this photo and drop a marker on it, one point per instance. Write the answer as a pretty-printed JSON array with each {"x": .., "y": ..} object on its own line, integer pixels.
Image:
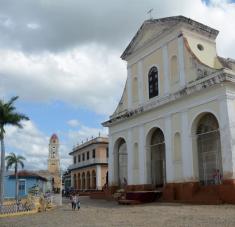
[{"x": 174, "y": 127}]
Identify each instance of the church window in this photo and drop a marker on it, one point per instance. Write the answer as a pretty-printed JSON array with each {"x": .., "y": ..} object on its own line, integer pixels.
[
  {"x": 153, "y": 82},
  {"x": 79, "y": 158},
  {"x": 83, "y": 157},
  {"x": 87, "y": 155},
  {"x": 74, "y": 159},
  {"x": 93, "y": 153},
  {"x": 200, "y": 47}
]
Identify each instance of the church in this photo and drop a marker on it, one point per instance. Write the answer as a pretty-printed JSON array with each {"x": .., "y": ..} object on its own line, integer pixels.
[{"x": 174, "y": 127}]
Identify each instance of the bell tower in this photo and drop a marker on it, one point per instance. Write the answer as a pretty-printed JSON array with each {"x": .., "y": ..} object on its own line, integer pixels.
[{"x": 53, "y": 157}]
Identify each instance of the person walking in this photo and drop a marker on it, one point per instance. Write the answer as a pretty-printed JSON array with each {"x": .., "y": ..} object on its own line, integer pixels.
[
  {"x": 73, "y": 199},
  {"x": 78, "y": 201}
]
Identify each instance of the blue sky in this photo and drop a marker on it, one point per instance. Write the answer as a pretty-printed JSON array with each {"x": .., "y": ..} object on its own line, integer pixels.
[{"x": 62, "y": 58}]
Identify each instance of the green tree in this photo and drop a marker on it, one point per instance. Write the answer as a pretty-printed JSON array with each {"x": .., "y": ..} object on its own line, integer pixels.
[
  {"x": 8, "y": 116},
  {"x": 14, "y": 161}
]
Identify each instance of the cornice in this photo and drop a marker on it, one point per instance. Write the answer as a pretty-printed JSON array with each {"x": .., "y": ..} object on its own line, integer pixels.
[{"x": 192, "y": 88}]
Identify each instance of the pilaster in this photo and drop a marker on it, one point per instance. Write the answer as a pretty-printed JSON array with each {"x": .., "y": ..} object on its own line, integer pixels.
[
  {"x": 187, "y": 151},
  {"x": 168, "y": 151},
  {"x": 166, "y": 70},
  {"x": 129, "y": 88},
  {"x": 181, "y": 61},
  {"x": 130, "y": 157},
  {"x": 142, "y": 156}
]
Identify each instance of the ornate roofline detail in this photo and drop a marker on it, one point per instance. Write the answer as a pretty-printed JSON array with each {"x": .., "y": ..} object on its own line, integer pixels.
[
  {"x": 216, "y": 78},
  {"x": 178, "y": 19}
]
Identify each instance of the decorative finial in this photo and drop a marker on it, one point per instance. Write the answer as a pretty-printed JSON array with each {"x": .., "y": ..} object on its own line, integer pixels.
[{"x": 150, "y": 14}]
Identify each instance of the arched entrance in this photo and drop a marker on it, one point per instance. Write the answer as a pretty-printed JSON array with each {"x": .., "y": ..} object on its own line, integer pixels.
[
  {"x": 157, "y": 158},
  {"x": 208, "y": 149},
  {"x": 75, "y": 181},
  {"x": 93, "y": 179},
  {"x": 79, "y": 181},
  {"x": 88, "y": 180},
  {"x": 122, "y": 162}
]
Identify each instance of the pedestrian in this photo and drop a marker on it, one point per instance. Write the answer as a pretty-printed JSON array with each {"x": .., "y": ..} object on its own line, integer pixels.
[
  {"x": 78, "y": 201},
  {"x": 73, "y": 199}
]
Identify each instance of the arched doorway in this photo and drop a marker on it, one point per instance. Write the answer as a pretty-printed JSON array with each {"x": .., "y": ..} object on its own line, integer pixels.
[
  {"x": 209, "y": 149},
  {"x": 122, "y": 162},
  {"x": 83, "y": 181},
  {"x": 157, "y": 158},
  {"x": 93, "y": 179},
  {"x": 75, "y": 181},
  {"x": 79, "y": 181},
  {"x": 88, "y": 180}
]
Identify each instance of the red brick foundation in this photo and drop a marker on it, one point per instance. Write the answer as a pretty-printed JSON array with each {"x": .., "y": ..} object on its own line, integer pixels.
[
  {"x": 193, "y": 192},
  {"x": 189, "y": 192}
]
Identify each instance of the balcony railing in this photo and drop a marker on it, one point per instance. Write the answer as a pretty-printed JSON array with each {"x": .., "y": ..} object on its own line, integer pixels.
[{"x": 89, "y": 162}]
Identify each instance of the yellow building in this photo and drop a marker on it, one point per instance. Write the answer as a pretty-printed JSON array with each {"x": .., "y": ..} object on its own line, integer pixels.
[
  {"x": 90, "y": 164},
  {"x": 174, "y": 127}
]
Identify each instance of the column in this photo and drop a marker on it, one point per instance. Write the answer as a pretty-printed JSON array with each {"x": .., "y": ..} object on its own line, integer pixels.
[
  {"x": 186, "y": 144},
  {"x": 166, "y": 70},
  {"x": 181, "y": 61},
  {"x": 129, "y": 157},
  {"x": 227, "y": 135},
  {"x": 98, "y": 177},
  {"x": 142, "y": 156},
  {"x": 140, "y": 82},
  {"x": 129, "y": 88},
  {"x": 168, "y": 150}
]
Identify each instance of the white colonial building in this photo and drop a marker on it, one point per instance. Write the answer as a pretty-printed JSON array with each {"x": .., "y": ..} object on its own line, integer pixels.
[{"x": 174, "y": 126}]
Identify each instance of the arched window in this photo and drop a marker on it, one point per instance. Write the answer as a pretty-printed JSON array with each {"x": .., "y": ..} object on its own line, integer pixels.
[
  {"x": 93, "y": 179},
  {"x": 153, "y": 82},
  {"x": 88, "y": 180}
]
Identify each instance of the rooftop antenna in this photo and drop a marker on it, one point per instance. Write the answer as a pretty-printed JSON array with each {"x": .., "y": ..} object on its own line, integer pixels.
[{"x": 150, "y": 14}]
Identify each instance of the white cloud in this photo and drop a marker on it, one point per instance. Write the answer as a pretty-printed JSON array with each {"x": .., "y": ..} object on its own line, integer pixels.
[
  {"x": 33, "y": 26},
  {"x": 89, "y": 76},
  {"x": 33, "y": 144},
  {"x": 85, "y": 133},
  {"x": 73, "y": 123},
  {"x": 29, "y": 142}
]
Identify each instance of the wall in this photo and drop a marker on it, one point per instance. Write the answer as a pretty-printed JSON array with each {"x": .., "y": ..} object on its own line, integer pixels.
[{"x": 9, "y": 185}]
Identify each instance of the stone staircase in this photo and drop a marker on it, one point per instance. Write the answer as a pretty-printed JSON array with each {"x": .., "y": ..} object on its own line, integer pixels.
[{"x": 137, "y": 197}]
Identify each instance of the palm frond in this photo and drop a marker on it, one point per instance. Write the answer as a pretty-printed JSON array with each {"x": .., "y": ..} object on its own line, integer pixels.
[
  {"x": 12, "y": 100},
  {"x": 21, "y": 163}
]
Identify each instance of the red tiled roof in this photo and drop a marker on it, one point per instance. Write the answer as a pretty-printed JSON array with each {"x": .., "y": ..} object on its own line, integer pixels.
[{"x": 25, "y": 173}]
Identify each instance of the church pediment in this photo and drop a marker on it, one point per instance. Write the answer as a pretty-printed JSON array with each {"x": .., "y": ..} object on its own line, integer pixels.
[
  {"x": 150, "y": 32},
  {"x": 152, "y": 29}
]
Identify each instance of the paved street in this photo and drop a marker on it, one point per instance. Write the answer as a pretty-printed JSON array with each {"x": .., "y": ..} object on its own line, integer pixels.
[{"x": 103, "y": 213}]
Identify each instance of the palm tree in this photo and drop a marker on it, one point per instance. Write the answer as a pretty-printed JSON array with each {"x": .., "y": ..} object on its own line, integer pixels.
[
  {"x": 14, "y": 161},
  {"x": 8, "y": 116}
]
